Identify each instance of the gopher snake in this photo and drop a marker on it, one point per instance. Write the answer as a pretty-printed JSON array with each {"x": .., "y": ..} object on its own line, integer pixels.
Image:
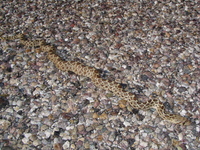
[{"x": 92, "y": 73}]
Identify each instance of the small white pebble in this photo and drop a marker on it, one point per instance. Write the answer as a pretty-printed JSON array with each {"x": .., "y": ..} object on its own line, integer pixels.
[
  {"x": 9, "y": 110},
  {"x": 27, "y": 135},
  {"x": 66, "y": 145},
  {"x": 127, "y": 124},
  {"x": 144, "y": 144},
  {"x": 180, "y": 136},
  {"x": 75, "y": 28},
  {"x": 66, "y": 39},
  {"x": 25, "y": 140},
  {"x": 137, "y": 138},
  {"x": 4, "y": 124},
  {"x": 16, "y": 108},
  {"x": 198, "y": 129},
  {"x": 19, "y": 103},
  {"x": 144, "y": 134},
  {"x": 45, "y": 113},
  {"x": 36, "y": 142},
  {"x": 48, "y": 133},
  {"x": 182, "y": 113}
]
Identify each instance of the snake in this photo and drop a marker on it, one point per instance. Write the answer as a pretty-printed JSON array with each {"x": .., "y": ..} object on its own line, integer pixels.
[{"x": 81, "y": 69}]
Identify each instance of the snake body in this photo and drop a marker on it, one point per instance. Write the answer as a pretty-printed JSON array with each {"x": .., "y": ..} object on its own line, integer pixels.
[{"x": 92, "y": 73}]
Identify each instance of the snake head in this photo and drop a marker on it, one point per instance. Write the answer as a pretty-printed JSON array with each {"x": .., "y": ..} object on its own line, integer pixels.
[{"x": 177, "y": 119}]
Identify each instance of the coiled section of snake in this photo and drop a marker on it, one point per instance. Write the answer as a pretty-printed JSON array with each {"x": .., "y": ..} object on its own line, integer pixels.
[{"x": 92, "y": 73}]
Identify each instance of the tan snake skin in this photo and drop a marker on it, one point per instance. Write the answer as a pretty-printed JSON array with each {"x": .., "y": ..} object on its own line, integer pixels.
[{"x": 92, "y": 73}]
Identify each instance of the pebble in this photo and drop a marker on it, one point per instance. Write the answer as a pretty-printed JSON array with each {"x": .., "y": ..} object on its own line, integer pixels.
[
  {"x": 127, "y": 124},
  {"x": 47, "y": 133},
  {"x": 123, "y": 144},
  {"x": 87, "y": 146},
  {"x": 144, "y": 144},
  {"x": 73, "y": 146},
  {"x": 66, "y": 145},
  {"x": 44, "y": 127},
  {"x": 36, "y": 142},
  {"x": 9, "y": 110},
  {"x": 4, "y": 124},
  {"x": 37, "y": 91},
  {"x": 103, "y": 116},
  {"x": 25, "y": 140},
  {"x": 27, "y": 135},
  {"x": 112, "y": 137},
  {"x": 65, "y": 136},
  {"x": 57, "y": 146}
]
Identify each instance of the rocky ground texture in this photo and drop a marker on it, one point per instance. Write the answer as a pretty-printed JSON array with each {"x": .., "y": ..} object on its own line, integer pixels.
[{"x": 150, "y": 46}]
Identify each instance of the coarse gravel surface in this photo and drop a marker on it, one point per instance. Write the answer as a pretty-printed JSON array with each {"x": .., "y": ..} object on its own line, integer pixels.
[{"x": 151, "y": 47}]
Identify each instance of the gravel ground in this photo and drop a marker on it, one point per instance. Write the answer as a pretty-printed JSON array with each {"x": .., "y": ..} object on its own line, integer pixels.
[{"x": 151, "y": 47}]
